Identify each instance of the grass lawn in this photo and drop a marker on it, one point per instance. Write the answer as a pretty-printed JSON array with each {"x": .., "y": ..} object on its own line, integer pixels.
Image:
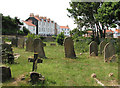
[{"x": 61, "y": 71}]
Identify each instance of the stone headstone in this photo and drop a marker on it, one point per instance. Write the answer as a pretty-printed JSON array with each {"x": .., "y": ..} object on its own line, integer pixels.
[
  {"x": 21, "y": 42},
  {"x": 38, "y": 48},
  {"x": 109, "y": 51},
  {"x": 93, "y": 49},
  {"x": 102, "y": 45},
  {"x": 15, "y": 42},
  {"x": 29, "y": 45},
  {"x": 6, "y": 73},
  {"x": 69, "y": 48}
]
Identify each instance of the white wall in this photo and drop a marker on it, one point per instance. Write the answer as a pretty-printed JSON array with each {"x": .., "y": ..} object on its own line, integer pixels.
[
  {"x": 32, "y": 29},
  {"x": 46, "y": 28}
]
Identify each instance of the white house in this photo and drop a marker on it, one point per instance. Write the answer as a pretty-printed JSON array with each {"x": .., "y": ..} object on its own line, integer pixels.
[
  {"x": 30, "y": 26},
  {"x": 65, "y": 29}
]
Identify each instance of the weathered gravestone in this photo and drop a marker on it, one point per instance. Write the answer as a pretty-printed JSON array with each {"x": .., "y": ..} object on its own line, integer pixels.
[
  {"x": 7, "y": 53},
  {"x": 102, "y": 45},
  {"x": 21, "y": 42},
  {"x": 69, "y": 48},
  {"x": 38, "y": 48},
  {"x": 109, "y": 52},
  {"x": 29, "y": 45},
  {"x": 15, "y": 42},
  {"x": 5, "y": 73},
  {"x": 93, "y": 49}
]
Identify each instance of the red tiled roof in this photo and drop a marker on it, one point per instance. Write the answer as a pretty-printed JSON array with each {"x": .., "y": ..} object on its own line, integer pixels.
[
  {"x": 117, "y": 30},
  {"x": 89, "y": 31},
  {"x": 107, "y": 31},
  {"x": 29, "y": 23},
  {"x": 64, "y": 27}
]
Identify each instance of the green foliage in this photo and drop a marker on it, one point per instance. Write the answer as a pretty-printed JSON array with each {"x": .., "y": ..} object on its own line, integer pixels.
[
  {"x": 60, "y": 38},
  {"x": 77, "y": 33},
  {"x": 10, "y": 25},
  {"x": 82, "y": 44},
  {"x": 25, "y": 30},
  {"x": 35, "y": 36},
  {"x": 20, "y": 32}
]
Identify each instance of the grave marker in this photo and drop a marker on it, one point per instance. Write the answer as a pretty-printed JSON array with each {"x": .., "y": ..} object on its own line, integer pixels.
[
  {"x": 93, "y": 49},
  {"x": 38, "y": 48},
  {"x": 69, "y": 48}
]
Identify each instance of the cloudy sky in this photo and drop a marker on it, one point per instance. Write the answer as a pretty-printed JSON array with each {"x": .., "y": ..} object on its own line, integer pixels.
[{"x": 53, "y": 9}]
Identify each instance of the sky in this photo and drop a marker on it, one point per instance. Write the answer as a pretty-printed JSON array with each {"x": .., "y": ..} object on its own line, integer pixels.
[{"x": 53, "y": 9}]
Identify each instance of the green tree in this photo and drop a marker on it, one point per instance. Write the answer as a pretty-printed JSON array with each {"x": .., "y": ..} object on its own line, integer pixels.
[
  {"x": 60, "y": 38},
  {"x": 84, "y": 14},
  {"x": 10, "y": 25}
]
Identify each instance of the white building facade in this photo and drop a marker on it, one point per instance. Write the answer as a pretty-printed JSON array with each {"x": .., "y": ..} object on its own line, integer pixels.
[
  {"x": 44, "y": 26},
  {"x": 30, "y": 26},
  {"x": 65, "y": 30}
]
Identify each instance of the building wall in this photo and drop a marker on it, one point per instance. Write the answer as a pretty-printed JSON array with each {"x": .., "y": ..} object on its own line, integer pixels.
[
  {"x": 32, "y": 29},
  {"x": 46, "y": 28},
  {"x": 66, "y": 31}
]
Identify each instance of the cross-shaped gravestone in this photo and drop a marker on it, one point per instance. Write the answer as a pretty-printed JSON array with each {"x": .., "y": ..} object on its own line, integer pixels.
[{"x": 35, "y": 61}]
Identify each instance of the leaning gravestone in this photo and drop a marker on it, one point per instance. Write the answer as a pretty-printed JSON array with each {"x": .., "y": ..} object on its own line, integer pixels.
[
  {"x": 29, "y": 45},
  {"x": 21, "y": 42},
  {"x": 102, "y": 45},
  {"x": 5, "y": 74},
  {"x": 93, "y": 49},
  {"x": 69, "y": 48},
  {"x": 109, "y": 52},
  {"x": 38, "y": 48}
]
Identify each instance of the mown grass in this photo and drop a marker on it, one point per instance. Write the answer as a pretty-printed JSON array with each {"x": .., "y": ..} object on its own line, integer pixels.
[{"x": 61, "y": 71}]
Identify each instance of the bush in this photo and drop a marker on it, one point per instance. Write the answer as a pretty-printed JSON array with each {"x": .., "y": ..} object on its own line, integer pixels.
[
  {"x": 60, "y": 38},
  {"x": 20, "y": 32},
  {"x": 25, "y": 30},
  {"x": 35, "y": 36}
]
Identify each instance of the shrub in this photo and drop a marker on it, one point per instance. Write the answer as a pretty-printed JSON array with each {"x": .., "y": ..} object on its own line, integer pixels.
[
  {"x": 60, "y": 38},
  {"x": 20, "y": 32},
  {"x": 25, "y": 30}
]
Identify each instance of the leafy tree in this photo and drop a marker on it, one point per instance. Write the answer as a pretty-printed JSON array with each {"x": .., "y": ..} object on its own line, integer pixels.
[
  {"x": 10, "y": 25},
  {"x": 60, "y": 38},
  {"x": 84, "y": 14}
]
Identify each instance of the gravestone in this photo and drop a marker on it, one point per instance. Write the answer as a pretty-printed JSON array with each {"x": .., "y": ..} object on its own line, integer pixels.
[
  {"x": 109, "y": 51},
  {"x": 21, "y": 42},
  {"x": 93, "y": 49},
  {"x": 7, "y": 54},
  {"x": 69, "y": 48},
  {"x": 38, "y": 48},
  {"x": 29, "y": 45},
  {"x": 6, "y": 73},
  {"x": 15, "y": 42},
  {"x": 102, "y": 45}
]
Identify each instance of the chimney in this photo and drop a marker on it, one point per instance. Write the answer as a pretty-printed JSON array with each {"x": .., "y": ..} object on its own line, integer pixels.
[
  {"x": 31, "y": 14},
  {"x": 67, "y": 25},
  {"x": 37, "y": 15}
]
